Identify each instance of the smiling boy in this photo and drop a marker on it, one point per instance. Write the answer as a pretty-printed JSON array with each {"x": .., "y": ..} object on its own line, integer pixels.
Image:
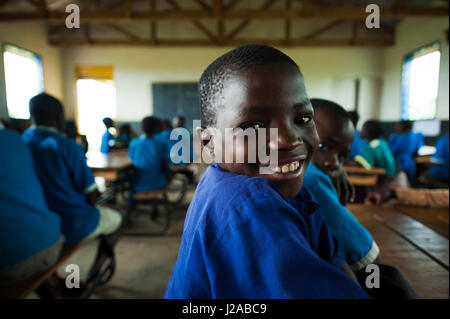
[{"x": 253, "y": 235}]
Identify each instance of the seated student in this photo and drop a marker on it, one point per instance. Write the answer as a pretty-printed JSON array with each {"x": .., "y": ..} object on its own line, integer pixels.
[
  {"x": 71, "y": 131},
  {"x": 148, "y": 154},
  {"x": 358, "y": 144},
  {"x": 404, "y": 144},
  {"x": 335, "y": 137},
  {"x": 31, "y": 239},
  {"x": 439, "y": 171},
  {"x": 126, "y": 134},
  {"x": 253, "y": 235},
  {"x": 68, "y": 183},
  {"x": 109, "y": 137},
  {"x": 377, "y": 152},
  {"x": 178, "y": 123}
]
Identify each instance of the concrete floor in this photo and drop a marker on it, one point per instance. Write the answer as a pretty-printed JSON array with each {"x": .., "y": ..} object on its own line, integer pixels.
[{"x": 144, "y": 264}]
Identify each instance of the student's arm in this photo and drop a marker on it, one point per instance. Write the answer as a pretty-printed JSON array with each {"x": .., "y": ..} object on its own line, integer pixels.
[
  {"x": 82, "y": 176},
  {"x": 347, "y": 270},
  {"x": 345, "y": 189}
]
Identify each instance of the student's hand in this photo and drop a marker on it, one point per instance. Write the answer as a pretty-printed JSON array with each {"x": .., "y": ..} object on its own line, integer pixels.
[
  {"x": 344, "y": 188},
  {"x": 373, "y": 199}
]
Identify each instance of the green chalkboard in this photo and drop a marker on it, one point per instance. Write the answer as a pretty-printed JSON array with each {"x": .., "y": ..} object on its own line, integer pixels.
[{"x": 172, "y": 99}]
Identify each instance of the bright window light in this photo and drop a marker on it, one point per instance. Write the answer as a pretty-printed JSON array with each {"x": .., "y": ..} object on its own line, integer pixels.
[
  {"x": 96, "y": 100},
  {"x": 420, "y": 82},
  {"x": 23, "y": 79}
]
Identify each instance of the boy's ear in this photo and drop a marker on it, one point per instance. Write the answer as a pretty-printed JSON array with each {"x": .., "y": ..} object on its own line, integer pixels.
[{"x": 206, "y": 140}]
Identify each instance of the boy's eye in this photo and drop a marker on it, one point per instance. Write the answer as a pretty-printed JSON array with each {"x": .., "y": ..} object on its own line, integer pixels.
[
  {"x": 254, "y": 125},
  {"x": 303, "y": 119},
  {"x": 323, "y": 147}
]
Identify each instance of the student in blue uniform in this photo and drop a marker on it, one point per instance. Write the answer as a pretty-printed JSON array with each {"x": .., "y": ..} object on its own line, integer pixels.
[
  {"x": 30, "y": 234},
  {"x": 149, "y": 157},
  {"x": 358, "y": 144},
  {"x": 335, "y": 131},
  {"x": 404, "y": 144},
  {"x": 377, "y": 153},
  {"x": 439, "y": 170},
  {"x": 68, "y": 183},
  {"x": 252, "y": 235},
  {"x": 108, "y": 138}
]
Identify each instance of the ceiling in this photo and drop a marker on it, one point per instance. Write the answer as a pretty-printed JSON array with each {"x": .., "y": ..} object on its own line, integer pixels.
[{"x": 219, "y": 22}]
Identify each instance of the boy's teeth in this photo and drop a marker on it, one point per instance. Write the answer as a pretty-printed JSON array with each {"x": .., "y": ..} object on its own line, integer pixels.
[{"x": 286, "y": 168}]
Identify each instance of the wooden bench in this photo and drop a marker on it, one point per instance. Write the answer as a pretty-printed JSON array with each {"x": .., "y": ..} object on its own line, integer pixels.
[
  {"x": 23, "y": 289},
  {"x": 360, "y": 176}
]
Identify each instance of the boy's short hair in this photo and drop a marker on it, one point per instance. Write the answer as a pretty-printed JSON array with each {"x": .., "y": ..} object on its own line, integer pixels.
[
  {"x": 406, "y": 126},
  {"x": 330, "y": 107},
  {"x": 373, "y": 129},
  {"x": 151, "y": 126},
  {"x": 108, "y": 122},
  {"x": 45, "y": 109},
  {"x": 212, "y": 80}
]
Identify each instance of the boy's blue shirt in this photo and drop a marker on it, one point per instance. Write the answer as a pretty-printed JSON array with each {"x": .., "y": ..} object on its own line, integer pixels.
[
  {"x": 105, "y": 147},
  {"x": 440, "y": 171},
  {"x": 404, "y": 146},
  {"x": 27, "y": 226},
  {"x": 148, "y": 156},
  {"x": 358, "y": 145},
  {"x": 354, "y": 242},
  {"x": 243, "y": 239},
  {"x": 60, "y": 165}
]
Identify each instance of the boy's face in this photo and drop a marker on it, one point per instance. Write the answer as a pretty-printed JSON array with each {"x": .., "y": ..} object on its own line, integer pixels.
[
  {"x": 270, "y": 96},
  {"x": 335, "y": 136}
]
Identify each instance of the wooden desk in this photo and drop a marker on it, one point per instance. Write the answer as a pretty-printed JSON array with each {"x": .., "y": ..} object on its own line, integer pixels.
[
  {"x": 417, "y": 250},
  {"x": 360, "y": 176},
  {"x": 424, "y": 159},
  {"x": 108, "y": 165}
]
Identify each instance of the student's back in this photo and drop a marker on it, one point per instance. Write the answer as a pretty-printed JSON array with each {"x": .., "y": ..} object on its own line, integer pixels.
[
  {"x": 61, "y": 167},
  {"x": 27, "y": 226},
  {"x": 404, "y": 146},
  {"x": 149, "y": 156},
  {"x": 439, "y": 170}
]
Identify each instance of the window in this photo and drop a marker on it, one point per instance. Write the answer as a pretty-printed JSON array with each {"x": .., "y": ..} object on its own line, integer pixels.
[
  {"x": 420, "y": 79},
  {"x": 23, "y": 79}
]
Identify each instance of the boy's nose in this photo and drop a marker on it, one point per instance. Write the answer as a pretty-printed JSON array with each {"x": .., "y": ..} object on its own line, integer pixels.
[
  {"x": 287, "y": 138},
  {"x": 332, "y": 162}
]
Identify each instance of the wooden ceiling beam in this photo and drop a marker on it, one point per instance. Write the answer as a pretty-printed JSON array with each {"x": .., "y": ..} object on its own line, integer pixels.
[
  {"x": 234, "y": 42},
  {"x": 322, "y": 30},
  {"x": 203, "y": 5},
  {"x": 123, "y": 31},
  {"x": 231, "y": 4},
  {"x": 287, "y": 23},
  {"x": 244, "y": 14},
  {"x": 241, "y": 26}
]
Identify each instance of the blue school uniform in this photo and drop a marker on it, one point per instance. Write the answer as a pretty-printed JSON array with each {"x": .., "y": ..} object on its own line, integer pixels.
[
  {"x": 27, "y": 226},
  {"x": 184, "y": 148},
  {"x": 243, "y": 239},
  {"x": 148, "y": 156},
  {"x": 60, "y": 165},
  {"x": 404, "y": 146},
  {"x": 354, "y": 242},
  {"x": 106, "y": 138},
  {"x": 358, "y": 145},
  {"x": 439, "y": 171}
]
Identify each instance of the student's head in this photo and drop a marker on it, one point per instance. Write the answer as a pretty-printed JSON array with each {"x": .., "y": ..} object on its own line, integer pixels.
[
  {"x": 108, "y": 122},
  {"x": 256, "y": 86},
  {"x": 151, "y": 126},
  {"x": 70, "y": 129},
  {"x": 354, "y": 117},
  {"x": 165, "y": 125},
  {"x": 371, "y": 130},
  {"x": 403, "y": 127},
  {"x": 178, "y": 121},
  {"x": 125, "y": 129},
  {"x": 45, "y": 110},
  {"x": 336, "y": 132}
]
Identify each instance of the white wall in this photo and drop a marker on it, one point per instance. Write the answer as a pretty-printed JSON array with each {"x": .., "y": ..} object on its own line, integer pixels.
[
  {"x": 135, "y": 69},
  {"x": 32, "y": 36},
  {"x": 411, "y": 34}
]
